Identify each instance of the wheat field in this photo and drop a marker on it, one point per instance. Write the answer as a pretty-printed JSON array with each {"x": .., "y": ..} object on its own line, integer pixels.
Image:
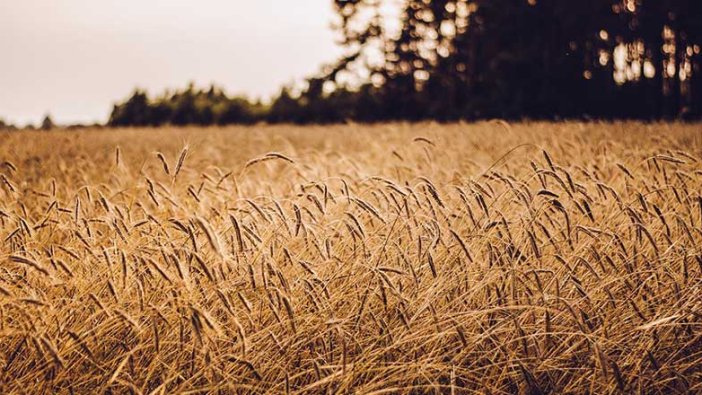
[{"x": 465, "y": 258}]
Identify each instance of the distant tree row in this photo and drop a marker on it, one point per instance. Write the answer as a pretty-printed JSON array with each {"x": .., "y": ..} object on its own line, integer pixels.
[
  {"x": 187, "y": 107},
  {"x": 472, "y": 59},
  {"x": 46, "y": 124}
]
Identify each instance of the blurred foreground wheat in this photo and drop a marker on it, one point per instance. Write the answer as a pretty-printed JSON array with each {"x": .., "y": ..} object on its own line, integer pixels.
[{"x": 489, "y": 258}]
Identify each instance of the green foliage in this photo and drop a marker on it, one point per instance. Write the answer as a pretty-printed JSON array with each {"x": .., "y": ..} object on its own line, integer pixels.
[{"x": 187, "y": 107}]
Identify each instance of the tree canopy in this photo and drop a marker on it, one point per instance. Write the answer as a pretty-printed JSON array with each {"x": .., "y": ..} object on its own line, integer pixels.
[
  {"x": 473, "y": 59},
  {"x": 190, "y": 106},
  {"x": 533, "y": 58}
]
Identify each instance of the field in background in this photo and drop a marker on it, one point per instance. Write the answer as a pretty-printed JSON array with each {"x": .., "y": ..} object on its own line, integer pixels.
[{"x": 424, "y": 258}]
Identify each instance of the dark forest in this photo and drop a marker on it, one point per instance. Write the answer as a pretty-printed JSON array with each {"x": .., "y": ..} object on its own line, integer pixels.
[{"x": 478, "y": 59}]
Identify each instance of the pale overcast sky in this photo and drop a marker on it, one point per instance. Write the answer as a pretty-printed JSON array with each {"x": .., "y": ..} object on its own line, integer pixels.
[{"x": 75, "y": 58}]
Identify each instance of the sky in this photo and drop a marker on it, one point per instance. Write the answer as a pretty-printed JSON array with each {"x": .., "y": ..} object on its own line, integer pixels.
[{"x": 74, "y": 59}]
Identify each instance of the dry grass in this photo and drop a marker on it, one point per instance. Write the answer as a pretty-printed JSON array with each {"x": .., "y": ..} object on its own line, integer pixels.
[{"x": 487, "y": 258}]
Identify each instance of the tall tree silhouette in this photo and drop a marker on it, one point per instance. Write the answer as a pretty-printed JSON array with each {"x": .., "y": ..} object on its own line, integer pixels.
[
  {"x": 472, "y": 59},
  {"x": 539, "y": 58}
]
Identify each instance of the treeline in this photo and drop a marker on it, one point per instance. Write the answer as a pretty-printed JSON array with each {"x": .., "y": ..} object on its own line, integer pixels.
[
  {"x": 473, "y": 59},
  {"x": 46, "y": 124},
  {"x": 187, "y": 107},
  {"x": 212, "y": 106}
]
